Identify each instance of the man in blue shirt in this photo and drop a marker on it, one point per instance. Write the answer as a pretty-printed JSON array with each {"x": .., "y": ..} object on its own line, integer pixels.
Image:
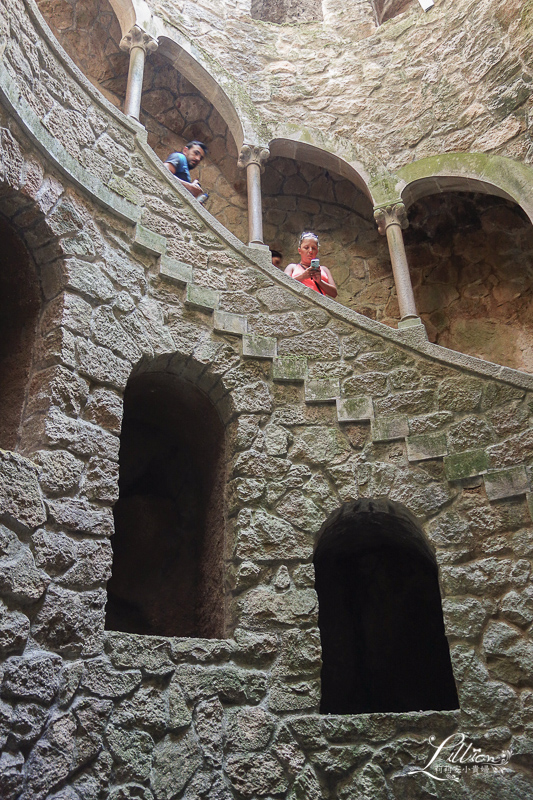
[{"x": 179, "y": 165}]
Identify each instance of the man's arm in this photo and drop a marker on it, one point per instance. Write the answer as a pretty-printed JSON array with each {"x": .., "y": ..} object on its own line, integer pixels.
[{"x": 194, "y": 187}]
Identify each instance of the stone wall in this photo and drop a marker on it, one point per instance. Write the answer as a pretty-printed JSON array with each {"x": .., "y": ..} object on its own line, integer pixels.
[
  {"x": 320, "y": 406},
  {"x": 283, "y": 11},
  {"x": 133, "y": 716},
  {"x": 457, "y": 78}
]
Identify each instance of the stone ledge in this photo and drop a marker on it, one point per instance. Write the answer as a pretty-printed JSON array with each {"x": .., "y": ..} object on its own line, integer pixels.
[
  {"x": 201, "y": 297},
  {"x": 227, "y": 322},
  {"x": 176, "y": 271},
  {"x": 322, "y": 390},
  {"x": 345, "y": 728},
  {"x": 506, "y": 483},
  {"x": 459, "y": 466},
  {"x": 388, "y": 429},
  {"x": 149, "y": 241},
  {"x": 426, "y": 446},
  {"x": 354, "y": 409},
  {"x": 290, "y": 369},
  {"x": 254, "y": 346}
]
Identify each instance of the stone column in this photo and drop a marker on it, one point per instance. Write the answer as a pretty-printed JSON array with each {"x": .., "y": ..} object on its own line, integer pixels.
[
  {"x": 252, "y": 158},
  {"x": 390, "y": 221},
  {"x": 138, "y": 43}
]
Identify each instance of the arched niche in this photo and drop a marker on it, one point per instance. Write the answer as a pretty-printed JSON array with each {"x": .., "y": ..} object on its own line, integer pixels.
[
  {"x": 305, "y": 188},
  {"x": 470, "y": 253},
  {"x": 90, "y": 31},
  {"x": 321, "y": 157},
  {"x": 20, "y": 304},
  {"x": 167, "y": 576},
  {"x": 466, "y": 172},
  {"x": 181, "y": 102},
  {"x": 188, "y": 65},
  {"x": 380, "y": 616}
]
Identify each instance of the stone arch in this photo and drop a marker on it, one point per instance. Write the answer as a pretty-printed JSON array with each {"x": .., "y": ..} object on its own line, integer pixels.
[
  {"x": 307, "y": 188},
  {"x": 467, "y": 172},
  {"x": 182, "y": 101},
  {"x": 126, "y": 13},
  {"x": 380, "y": 616},
  {"x": 316, "y": 154},
  {"x": 167, "y": 576},
  {"x": 470, "y": 249},
  {"x": 192, "y": 66}
]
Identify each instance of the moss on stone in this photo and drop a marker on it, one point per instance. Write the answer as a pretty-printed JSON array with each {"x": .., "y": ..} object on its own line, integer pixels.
[
  {"x": 511, "y": 176},
  {"x": 466, "y": 465}
]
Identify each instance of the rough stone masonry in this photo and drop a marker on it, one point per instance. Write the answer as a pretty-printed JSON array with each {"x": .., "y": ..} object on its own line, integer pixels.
[{"x": 124, "y": 282}]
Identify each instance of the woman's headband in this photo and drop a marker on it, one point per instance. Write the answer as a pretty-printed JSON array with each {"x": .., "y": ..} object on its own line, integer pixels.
[{"x": 308, "y": 235}]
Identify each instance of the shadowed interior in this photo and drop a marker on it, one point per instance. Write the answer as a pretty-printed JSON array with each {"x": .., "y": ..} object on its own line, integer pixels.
[
  {"x": 380, "y": 617},
  {"x": 20, "y": 304},
  {"x": 167, "y": 547}
]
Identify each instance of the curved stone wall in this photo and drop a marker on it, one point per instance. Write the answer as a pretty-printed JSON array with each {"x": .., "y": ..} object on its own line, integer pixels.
[
  {"x": 359, "y": 258},
  {"x": 320, "y": 406},
  {"x": 420, "y": 85}
]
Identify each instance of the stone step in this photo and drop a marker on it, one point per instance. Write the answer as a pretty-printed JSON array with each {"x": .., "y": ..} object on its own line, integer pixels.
[
  {"x": 255, "y": 346},
  {"x": 227, "y": 322},
  {"x": 201, "y": 297}
]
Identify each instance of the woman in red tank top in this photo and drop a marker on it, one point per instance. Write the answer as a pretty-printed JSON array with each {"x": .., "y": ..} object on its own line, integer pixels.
[{"x": 321, "y": 279}]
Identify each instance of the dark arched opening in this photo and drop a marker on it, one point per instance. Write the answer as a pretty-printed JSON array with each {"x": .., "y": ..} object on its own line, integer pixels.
[
  {"x": 20, "y": 302},
  {"x": 168, "y": 541},
  {"x": 380, "y": 616}
]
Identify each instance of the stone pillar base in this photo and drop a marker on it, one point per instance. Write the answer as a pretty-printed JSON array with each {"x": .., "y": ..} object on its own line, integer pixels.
[{"x": 409, "y": 322}]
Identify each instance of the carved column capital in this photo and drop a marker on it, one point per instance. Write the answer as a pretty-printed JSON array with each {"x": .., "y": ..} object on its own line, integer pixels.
[
  {"x": 395, "y": 214},
  {"x": 253, "y": 154},
  {"x": 136, "y": 37}
]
